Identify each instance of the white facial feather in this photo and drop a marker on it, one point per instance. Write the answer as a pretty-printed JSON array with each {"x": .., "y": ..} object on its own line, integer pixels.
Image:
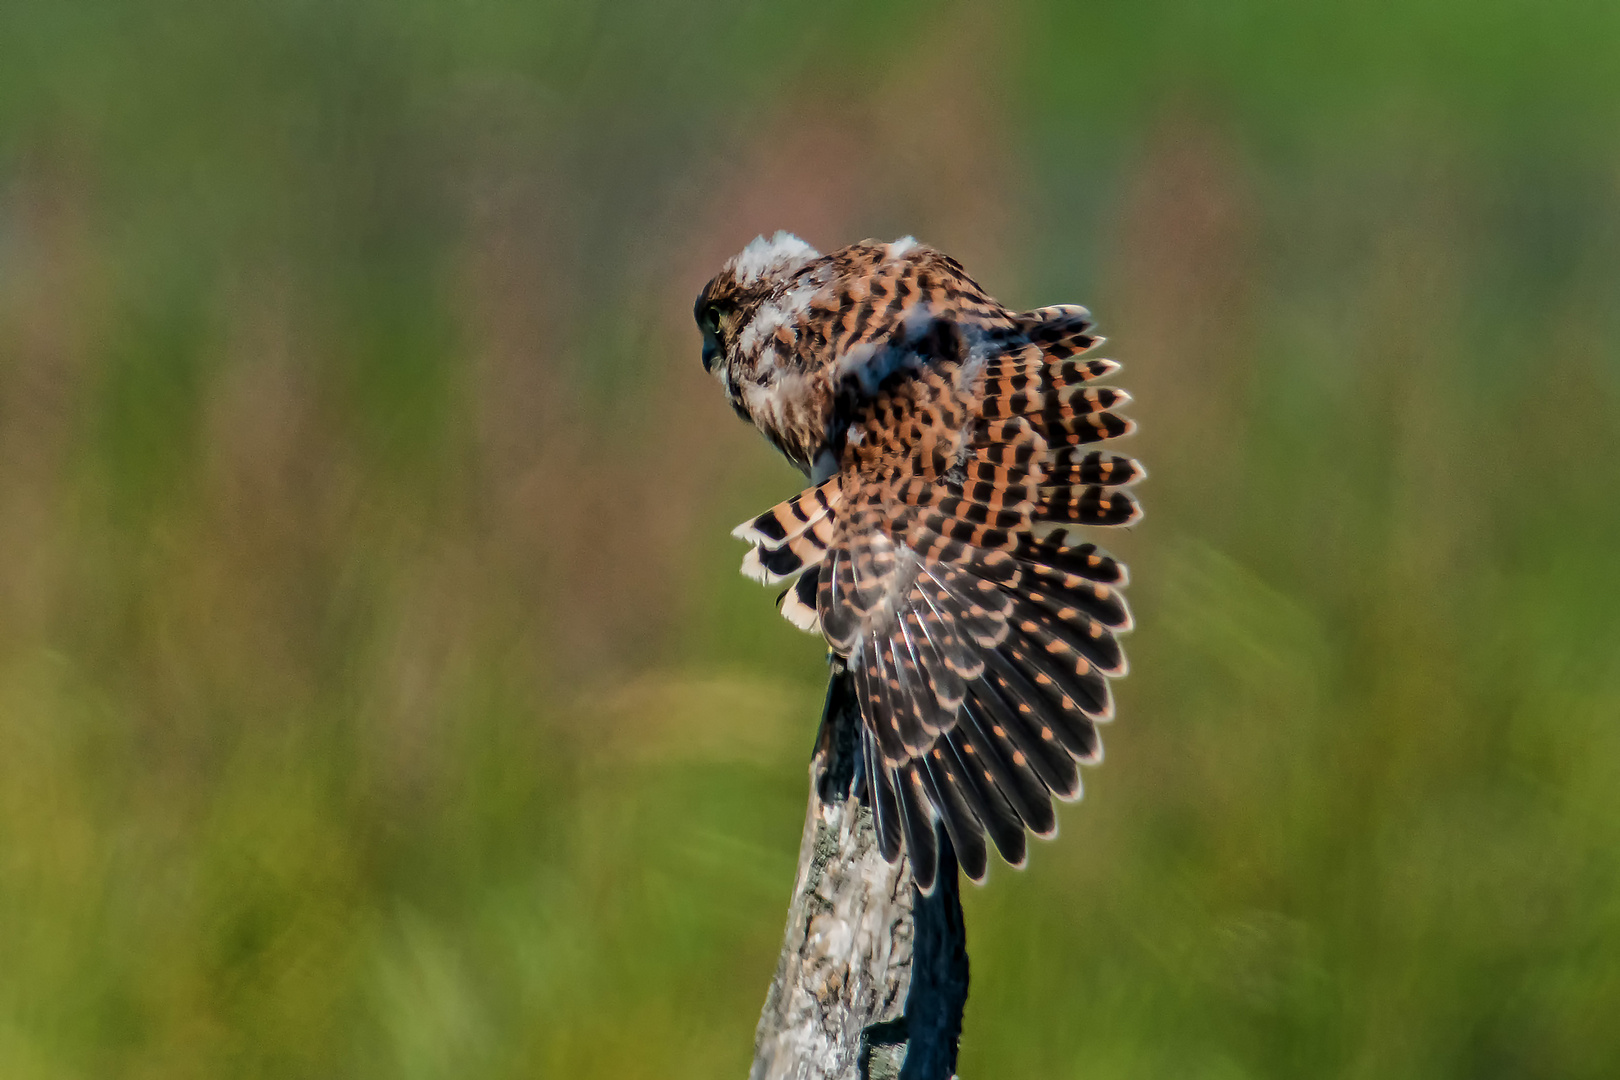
[
  {"x": 775, "y": 403},
  {"x": 780, "y": 255},
  {"x": 784, "y": 391},
  {"x": 788, "y": 275},
  {"x": 761, "y": 329}
]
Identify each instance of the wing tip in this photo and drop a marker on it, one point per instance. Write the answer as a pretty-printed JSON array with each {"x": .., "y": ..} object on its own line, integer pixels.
[
  {"x": 1079, "y": 791},
  {"x": 1049, "y": 833}
]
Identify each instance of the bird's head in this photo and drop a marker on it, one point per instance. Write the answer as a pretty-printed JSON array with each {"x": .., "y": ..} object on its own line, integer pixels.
[{"x": 734, "y": 307}]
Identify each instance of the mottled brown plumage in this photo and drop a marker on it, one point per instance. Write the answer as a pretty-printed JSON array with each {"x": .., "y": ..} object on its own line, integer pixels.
[{"x": 947, "y": 439}]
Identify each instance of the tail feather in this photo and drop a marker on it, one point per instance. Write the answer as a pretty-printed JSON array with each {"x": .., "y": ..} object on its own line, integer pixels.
[
  {"x": 768, "y": 565},
  {"x": 792, "y": 517},
  {"x": 798, "y": 603}
]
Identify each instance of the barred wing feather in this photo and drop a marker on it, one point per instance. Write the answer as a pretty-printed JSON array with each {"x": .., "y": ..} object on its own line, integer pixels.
[{"x": 942, "y": 563}]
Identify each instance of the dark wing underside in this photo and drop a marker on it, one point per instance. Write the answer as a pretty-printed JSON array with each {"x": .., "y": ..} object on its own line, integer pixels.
[{"x": 979, "y": 633}]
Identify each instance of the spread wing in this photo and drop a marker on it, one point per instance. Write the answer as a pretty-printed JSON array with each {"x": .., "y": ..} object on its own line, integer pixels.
[{"x": 979, "y": 633}]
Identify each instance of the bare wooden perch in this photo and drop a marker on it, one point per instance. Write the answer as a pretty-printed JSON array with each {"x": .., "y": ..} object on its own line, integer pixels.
[{"x": 873, "y": 975}]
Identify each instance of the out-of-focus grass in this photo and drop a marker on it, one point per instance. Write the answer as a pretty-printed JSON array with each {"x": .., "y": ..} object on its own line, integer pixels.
[{"x": 377, "y": 693}]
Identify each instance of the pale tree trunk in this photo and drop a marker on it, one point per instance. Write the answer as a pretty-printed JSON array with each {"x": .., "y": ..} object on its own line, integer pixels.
[{"x": 873, "y": 976}]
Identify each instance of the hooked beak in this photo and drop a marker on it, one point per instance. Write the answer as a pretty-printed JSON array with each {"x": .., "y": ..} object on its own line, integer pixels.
[{"x": 711, "y": 353}]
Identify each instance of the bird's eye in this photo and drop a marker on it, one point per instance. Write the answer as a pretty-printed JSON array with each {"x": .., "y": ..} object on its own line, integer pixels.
[{"x": 711, "y": 320}]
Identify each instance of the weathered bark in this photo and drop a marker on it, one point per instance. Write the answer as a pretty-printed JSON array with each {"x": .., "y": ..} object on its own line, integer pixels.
[{"x": 873, "y": 975}]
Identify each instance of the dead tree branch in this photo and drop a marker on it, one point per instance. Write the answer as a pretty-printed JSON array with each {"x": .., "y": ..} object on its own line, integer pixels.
[{"x": 873, "y": 975}]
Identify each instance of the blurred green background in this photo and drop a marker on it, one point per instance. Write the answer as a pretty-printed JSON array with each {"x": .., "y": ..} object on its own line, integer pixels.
[{"x": 378, "y": 695}]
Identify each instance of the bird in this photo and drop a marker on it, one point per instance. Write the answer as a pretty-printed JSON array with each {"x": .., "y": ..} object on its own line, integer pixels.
[{"x": 940, "y": 548}]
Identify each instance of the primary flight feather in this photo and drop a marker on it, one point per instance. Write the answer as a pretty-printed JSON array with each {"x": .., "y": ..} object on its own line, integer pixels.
[{"x": 949, "y": 443}]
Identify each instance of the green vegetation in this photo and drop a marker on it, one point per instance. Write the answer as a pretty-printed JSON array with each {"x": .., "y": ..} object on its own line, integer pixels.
[{"x": 377, "y": 693}]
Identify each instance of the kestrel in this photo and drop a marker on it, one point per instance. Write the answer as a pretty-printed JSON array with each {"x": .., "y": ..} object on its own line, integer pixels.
[{"x": 948, "y": 445}]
